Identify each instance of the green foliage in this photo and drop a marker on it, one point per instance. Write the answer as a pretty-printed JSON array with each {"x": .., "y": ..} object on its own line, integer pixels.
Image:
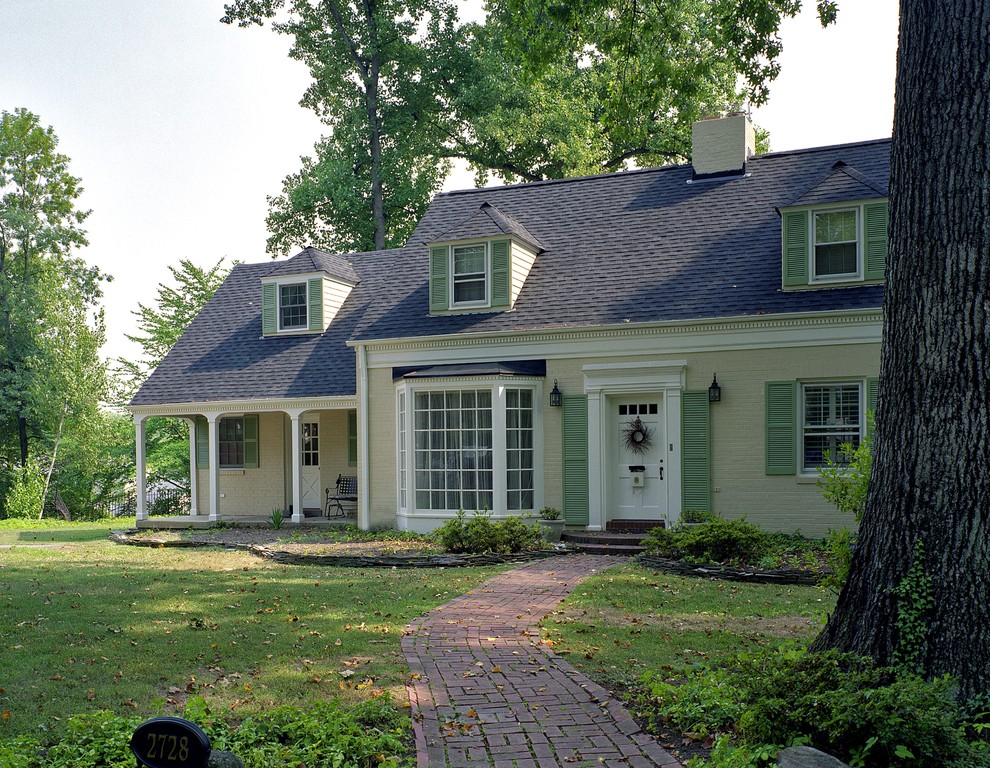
[
  {"x": 24, "y": 499},
  {"x": 479, "y": 535},
  {"x": 276, "y": 519},
  {"x": 716, "y": 541},
  {"x": 841, "y": 545},
  {"x": 915, "y": 602},
  {"x": 370, "y": 734},
  {"x": 840, "y": 703},
  {"x": 845, "y": 479},
  {"x": 550, "y": 513}
]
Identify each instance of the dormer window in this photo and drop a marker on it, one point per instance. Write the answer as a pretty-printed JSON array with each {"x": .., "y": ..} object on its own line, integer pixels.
[
  {"x": 836, "y": 244},
  {"x": 292, "y": 302},
  {"x": 469, "y": 272}
]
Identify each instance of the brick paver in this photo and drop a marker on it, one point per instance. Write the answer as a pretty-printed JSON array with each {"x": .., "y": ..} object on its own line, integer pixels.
[{"x": 484, "y": 692}]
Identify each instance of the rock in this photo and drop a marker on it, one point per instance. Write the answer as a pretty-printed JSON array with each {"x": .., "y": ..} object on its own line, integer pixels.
[
  {"x": 807, "y": 757},
  {"x": 221, "y": 759}
]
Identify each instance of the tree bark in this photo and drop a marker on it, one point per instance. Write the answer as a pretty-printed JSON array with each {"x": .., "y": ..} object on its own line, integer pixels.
[{"x": 931, "y": 459}]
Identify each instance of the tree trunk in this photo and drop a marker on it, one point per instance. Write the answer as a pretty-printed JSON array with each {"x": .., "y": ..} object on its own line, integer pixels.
[
  {"x": 931, "y": 457},
  {"x": 22, "y": 438}
]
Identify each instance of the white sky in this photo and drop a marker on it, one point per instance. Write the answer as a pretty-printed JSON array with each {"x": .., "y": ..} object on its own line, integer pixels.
[{"x": 180, "y": 126}]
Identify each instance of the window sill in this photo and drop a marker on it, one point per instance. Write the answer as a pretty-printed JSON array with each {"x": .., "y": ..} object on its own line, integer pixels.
[{"x": 808, "y": 478}]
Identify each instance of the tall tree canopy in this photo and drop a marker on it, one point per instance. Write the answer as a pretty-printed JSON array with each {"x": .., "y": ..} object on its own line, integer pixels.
[
  {"x": 541, "y": 90},
  {"x": 929, "y": 496},
  {"x": 47, "y": 294},
  {"x": 371, "y": 64}
]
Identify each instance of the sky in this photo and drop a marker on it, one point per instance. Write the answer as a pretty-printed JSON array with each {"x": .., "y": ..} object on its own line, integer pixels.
[{"x": 180, "y": 127}]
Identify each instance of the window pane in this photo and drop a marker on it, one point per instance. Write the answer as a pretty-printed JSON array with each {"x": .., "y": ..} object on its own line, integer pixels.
[
  {"x": 831, "y": 419},
  {"x": 835, "y": 243},
  {"x": 292, "y": 305},
  {"x": 469, "y": 290},
  {"x": 837, "y": 259},
  {"x": 835, "y": 227}
]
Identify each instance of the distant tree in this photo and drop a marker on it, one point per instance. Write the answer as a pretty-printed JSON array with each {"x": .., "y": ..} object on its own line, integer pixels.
[
  {"x": 374, "y": 84},
  {"x": 161, "y": 325},
  {"x": 928, "y": 503}
]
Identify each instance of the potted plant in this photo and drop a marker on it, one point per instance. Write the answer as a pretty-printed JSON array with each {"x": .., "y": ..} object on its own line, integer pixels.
[{"x": 552, "y": 522}]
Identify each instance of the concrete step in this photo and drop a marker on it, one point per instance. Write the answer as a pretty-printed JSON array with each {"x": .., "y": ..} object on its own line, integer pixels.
[{"x": 602, "y": 537}]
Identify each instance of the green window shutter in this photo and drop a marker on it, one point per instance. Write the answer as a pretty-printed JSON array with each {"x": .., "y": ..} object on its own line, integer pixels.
[
  {"x": 251, "y": 442},
  {"x": 781, "y": 427},
  {"x": 202, "y": 443},
  {"x": 696, "y": 456},
  {"x": 439, "y": 278},
  {"x": 576, "y": 495},
  {"x": 501, "y": 274},
  {"x": 268, "y": 308},
  {"x": 795, "y": 225},
  {"x": 872, "y": 388},
  {"x": 315, "y": 289},
  {"x": 875, "y": 240},
  {"x": 352, "y": 438}
]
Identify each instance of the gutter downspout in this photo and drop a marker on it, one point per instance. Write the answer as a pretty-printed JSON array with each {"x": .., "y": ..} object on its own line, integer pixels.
[{"x": 364, "y": 482}]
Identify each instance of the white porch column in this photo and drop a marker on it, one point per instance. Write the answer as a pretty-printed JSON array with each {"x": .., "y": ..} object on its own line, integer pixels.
[
  {"x": 141, "y": 470},
  {"x": 193, "y": 479},
  {"x": 297, "y": 508},
  {"x": 596, "y": 459},
  {"x": 211, "y": 419}
]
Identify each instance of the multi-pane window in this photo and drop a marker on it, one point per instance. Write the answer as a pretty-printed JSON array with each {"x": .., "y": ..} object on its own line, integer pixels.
[
  {"x": 470, "y": 271},
  {"x": 832, "y": 417},
  {"x": 311, "y": 444},
  {"x": 230, "y": 432},
  {"x": 836, "y": 253},
  {"x": 519, "y": 449},
  {"x": 453, "y": 449},
  {"x": 292, "y": 306}
]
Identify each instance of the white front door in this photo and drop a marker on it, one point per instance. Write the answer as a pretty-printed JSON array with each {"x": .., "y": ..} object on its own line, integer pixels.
[
  {"x": 312, "y": 493},
  {"x": 639, "y": 448}
]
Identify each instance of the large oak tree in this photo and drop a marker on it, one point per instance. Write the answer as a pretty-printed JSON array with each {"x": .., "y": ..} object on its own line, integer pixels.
[{"x": 930, "y": 482}]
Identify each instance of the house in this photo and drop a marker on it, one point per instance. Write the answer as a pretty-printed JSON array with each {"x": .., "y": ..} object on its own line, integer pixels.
[{"x": 631, "y": 346}]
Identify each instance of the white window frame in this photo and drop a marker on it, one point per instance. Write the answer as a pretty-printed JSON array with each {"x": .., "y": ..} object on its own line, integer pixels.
[
  {"x": 860, "y": 384},
  {"x": 846, "y": 277},
  {"x": 237, "y": 423},
  {"x": 487, "y": 301},
  {"x": 278, "y": 304},
  {"x": 405, "y": 455}
]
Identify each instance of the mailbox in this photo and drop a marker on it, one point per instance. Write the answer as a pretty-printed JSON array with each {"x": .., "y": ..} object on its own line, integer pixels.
[{"x": 637, "y": 474}]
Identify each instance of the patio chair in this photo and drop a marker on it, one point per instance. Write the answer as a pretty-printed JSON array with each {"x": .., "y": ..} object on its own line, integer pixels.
[{"x": 344, "y": 491}]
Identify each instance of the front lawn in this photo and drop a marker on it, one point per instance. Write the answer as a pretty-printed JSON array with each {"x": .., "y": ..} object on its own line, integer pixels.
[{"x": 89, "y": 625}]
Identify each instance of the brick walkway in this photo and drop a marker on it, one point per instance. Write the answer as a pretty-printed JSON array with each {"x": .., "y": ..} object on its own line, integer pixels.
[{"x": 484, "y": 692}]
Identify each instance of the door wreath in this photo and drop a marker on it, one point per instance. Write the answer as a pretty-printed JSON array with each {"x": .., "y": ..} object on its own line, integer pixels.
[{"x": 637, "y": 437}]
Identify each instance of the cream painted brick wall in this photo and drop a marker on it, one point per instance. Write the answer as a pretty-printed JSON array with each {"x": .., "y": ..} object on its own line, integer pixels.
[{"x": 382, "y": 504}]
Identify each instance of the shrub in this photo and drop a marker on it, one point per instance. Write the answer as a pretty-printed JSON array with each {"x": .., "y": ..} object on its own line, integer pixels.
[
  {"x": 840, "y": 703},
  {"x": 25, "y": 494},
  {"x": 479, "y": 535},
  {"x": 715, "y": 541}
]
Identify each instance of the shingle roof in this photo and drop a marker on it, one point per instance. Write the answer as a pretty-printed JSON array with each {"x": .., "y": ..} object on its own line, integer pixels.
[
  {"x": 840, "y": 184},
  {"x": 641, "y": 246},
  {"x": 222, "y": 355},
  {"x": 488, "y": 221},
  {"x": 311, "y": 260}
]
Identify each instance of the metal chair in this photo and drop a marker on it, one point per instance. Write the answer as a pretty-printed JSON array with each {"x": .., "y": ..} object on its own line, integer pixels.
[{"x": 345, "y": 490}]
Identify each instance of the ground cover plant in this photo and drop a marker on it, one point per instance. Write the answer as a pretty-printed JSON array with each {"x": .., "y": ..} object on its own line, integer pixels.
[{"x": 92, "y": 626}]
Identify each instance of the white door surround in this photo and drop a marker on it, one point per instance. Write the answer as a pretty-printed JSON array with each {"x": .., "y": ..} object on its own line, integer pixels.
[{"x": 604, "y": 384}]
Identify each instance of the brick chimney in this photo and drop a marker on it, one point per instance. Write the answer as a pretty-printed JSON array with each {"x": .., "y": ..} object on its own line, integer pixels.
[{"x": 721, "y": 146}]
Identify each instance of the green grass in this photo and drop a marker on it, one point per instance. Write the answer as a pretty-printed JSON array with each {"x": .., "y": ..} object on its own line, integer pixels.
[
  {"x": 620, "y": 623},
  {"x": 91, "y": 625},
  {"x": 13, "y": 532}
]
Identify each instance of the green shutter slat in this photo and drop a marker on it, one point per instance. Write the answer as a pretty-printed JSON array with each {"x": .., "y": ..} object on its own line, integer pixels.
[
  {"x": 696, "y": 454},
  {"x": 439, "y": 269},
  {"x": 352, "y": 438},
  {"x": 576, "y": 495},
  {"x": 875, "y": 240},
  {"x": 501, "y": 274},
  {"x": 268, "y": 324},
  {"x": 316, "y": 304},
  {"x": 251, "y": 442},
  {"x": 795, "y": 226},
  {"x": 202, "y": 443},
  {"x": 872, "y": 388},
  {"x": 781, "y": 427}
]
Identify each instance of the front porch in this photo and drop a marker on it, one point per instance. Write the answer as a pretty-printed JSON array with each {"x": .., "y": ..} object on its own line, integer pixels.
[{"x": 251, "y": 458}]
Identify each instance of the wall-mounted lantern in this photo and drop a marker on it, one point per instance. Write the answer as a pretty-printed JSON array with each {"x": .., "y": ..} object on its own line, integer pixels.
[
  {"x": 714, "y": 391},
  {"x": 556, "y": 397}
]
